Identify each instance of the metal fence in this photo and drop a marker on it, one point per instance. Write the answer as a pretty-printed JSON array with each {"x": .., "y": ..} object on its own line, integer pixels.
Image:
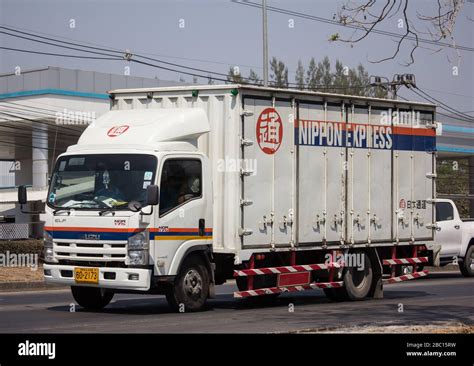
[{"x": 27, "y": 230}]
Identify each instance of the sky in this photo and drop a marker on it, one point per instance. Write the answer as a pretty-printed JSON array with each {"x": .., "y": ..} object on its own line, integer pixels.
[{"x": 215, "y": 34}]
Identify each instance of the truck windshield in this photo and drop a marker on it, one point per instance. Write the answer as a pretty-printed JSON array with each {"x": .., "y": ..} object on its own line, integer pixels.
[{"x": 101, "y": 181}]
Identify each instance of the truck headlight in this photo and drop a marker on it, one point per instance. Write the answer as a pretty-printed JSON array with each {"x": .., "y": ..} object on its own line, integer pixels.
[
  {"x": 138, "y": 241},
  {"x": 137, "y": 257},
  {"x": 48, "y": 251},
  {"x": 138, "y": 249}
]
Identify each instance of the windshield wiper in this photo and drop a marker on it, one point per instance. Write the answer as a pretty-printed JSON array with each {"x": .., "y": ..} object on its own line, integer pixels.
[
  {"x": 68, "y": 209},
  {"x": 105, "y": 210}
]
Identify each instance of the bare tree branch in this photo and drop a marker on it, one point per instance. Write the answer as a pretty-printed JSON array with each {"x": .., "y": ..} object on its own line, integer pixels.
[{"x": 438, "y": 26}]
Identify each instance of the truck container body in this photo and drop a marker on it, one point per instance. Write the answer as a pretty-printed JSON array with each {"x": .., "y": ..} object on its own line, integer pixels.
[{"x": 248, "y": 177}]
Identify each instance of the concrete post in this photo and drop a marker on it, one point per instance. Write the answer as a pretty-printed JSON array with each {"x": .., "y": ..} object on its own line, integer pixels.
[{"x": 39, "y": 168}]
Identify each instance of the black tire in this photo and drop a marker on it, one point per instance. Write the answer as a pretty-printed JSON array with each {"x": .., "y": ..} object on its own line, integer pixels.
[
  {"x": 191, "y": 286},
  {"x": 357, "y": 283},
  {"x": 91, "y": 298},
  {"x": 466, "y": 265}
]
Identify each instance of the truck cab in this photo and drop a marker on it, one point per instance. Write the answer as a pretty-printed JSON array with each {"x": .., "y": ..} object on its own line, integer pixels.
[{"x": 127, "y": 204}]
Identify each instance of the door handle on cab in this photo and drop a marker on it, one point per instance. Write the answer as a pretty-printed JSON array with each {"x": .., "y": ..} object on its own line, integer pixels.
[{"x": 456, "y": 227}]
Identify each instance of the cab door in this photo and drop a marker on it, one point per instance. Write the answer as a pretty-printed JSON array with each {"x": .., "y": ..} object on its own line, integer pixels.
[{"x": 183, "y": 212}]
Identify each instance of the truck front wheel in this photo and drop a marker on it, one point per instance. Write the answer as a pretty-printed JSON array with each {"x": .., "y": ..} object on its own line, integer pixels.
[
  {"x": 91, "y": 298},
  {"x": 466, "y": 266},
  {"x": 191, "y": 286}
]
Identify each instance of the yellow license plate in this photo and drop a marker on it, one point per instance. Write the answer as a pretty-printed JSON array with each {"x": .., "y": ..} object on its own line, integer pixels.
[{"x": 86, "y": 275}]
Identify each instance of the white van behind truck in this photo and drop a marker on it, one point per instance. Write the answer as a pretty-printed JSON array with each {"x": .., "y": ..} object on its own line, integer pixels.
[{"x": 179, "y": 189}]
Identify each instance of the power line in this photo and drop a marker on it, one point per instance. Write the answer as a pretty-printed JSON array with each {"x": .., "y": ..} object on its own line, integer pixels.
[
  {"x": 113, "y": 49},
  {"x": 42, "y": 114},
  {"x": 209, "y": 73},
  {"x": 334, "y": 22},
  {"x": 444, "y": 106},
  {"x": 57, "y": 54}
]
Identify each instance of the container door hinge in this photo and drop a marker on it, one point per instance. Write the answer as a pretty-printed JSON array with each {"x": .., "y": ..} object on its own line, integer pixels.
[
  {"x": 246, "y": 142},
  {"x": 244, "y": 202},
  {"x": 431, "y": 175},
  {"x": 245, "y": 232},
  {"x": 246, "y": 172},
  {"x": 246, "y": 113}
]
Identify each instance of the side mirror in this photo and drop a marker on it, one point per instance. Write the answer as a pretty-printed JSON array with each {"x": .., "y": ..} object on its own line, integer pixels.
[
  {"x": 152, "y": 195},
  {"x": 22, "y": 195}
]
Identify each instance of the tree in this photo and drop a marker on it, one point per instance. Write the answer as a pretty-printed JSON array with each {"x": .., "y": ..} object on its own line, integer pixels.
[
  {"x": 254, "y": 78},
  {"x": 234, "y": 76},
  {"x": 325, "y": 72},
  {"x": 342, "y": 80},
  {"x": 279, "y": 74},
  {"x": 312, "y": 75},
  {"x": 365, "y": 19},
  {"x": 299, "y": 78},
  {"x": 210, "y": 80}
]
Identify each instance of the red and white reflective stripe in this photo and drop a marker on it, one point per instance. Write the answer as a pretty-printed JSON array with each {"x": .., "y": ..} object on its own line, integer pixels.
[
  {"x": 284, "y": 269},
  {"x": 405, "y": 261},
  {"x": 277, "y": 290},
  {"x": 406, "y": 277}
]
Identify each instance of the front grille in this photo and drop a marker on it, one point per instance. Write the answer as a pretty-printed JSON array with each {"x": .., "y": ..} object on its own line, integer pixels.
[
  {"x": 90, "y": 252},
  {"x": 83, "y": 263}
]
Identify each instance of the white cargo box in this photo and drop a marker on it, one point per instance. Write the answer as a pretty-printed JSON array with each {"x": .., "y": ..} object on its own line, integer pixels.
[{"x": 309, "y": 170}]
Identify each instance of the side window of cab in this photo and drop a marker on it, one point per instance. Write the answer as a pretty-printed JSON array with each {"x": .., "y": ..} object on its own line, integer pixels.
[{"x": 181, "y": 181}]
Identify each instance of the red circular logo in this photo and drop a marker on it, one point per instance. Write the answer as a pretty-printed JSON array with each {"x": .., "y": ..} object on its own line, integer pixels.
[
  {"x": 117, "y": 130},
  {"x": 269, "y": 131},
  {"x": 403, "y": 203}
]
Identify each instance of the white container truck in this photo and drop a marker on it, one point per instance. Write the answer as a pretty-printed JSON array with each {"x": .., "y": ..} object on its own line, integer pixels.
[{"x": 179, "y": 189}]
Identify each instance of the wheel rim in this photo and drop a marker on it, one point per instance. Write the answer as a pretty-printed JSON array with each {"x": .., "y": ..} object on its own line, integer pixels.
[
  {"x": 471, "y": 259},
  {"x": 359, "y": 278},
  {"x": 193, "y": 283}
]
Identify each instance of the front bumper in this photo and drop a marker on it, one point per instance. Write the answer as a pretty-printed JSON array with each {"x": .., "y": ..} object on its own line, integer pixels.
[{"x": 122, "y": 280}]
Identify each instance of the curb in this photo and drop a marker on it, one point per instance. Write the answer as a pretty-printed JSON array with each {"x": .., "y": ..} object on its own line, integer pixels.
[{"x": 28, "y": 286}]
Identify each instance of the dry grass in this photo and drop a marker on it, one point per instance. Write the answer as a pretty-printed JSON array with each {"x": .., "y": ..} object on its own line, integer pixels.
[{"x": 21, "y": 274}]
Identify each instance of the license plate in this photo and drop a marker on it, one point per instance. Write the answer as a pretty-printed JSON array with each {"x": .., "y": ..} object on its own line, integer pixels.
[{"x": 86, "y": 275}]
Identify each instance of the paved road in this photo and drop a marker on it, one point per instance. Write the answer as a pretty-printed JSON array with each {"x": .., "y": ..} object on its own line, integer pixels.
[{"x": 440, "y": 297}]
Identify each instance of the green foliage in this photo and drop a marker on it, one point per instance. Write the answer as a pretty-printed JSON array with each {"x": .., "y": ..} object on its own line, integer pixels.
[
  {"x": 453, "y": 178},
  {"x": 279, "y": 73}
]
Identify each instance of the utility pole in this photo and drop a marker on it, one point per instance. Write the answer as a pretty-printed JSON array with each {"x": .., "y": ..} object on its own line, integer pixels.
[
  {"x": 407, "y": 80},
  {"x": 265, "y": 43}
]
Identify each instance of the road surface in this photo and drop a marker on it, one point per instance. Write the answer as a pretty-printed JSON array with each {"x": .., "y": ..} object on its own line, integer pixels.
[{"x": 440, "y": 297}]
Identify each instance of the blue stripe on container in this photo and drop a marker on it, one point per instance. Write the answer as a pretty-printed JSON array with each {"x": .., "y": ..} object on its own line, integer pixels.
[{"x": 399, "y": 142}]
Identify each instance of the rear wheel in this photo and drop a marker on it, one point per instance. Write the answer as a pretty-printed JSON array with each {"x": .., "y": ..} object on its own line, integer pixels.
[
  {"x": 191, "y": 286},
  {"x": 357, "y": 282},
  {"x": 467, "y": 265},
  {"x": 91, "y": 298}
]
